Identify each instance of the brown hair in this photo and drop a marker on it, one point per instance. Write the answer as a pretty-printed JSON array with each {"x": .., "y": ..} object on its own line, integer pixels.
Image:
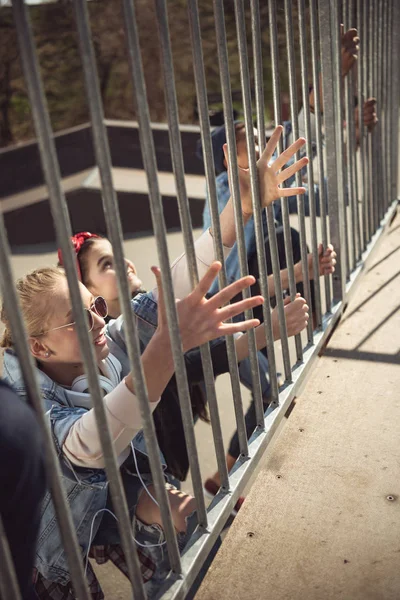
[{"x": 33, "y": 291}]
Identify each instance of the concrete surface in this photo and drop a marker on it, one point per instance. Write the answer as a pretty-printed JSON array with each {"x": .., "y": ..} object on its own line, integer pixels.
[{"x": 322, "y": 520}]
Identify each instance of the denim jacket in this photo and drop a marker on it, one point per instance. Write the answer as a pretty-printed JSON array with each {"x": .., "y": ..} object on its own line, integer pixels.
[{"x": 85, "y": 488}]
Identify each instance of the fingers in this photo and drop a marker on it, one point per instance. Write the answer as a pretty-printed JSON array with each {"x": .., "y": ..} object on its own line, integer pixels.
[
  {"x": 320, "y": 249},
  {"x": 272, "y": 144},
  {"x": 291, "y": 191},
  {"x": 289, "y": 171},
  {"x": 231, "y": 328},
  {"x": 287, "y": 154},
  {"x": 204, "y": 284},
  {"x": 239, "y": 307},
  {"x": 225, "y": 295}
]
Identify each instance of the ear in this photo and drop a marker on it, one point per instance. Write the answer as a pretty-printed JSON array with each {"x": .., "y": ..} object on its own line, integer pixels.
[{"x": 38, "y": 349}]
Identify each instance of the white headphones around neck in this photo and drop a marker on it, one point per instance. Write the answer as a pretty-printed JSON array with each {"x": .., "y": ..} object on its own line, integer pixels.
[{"x": 81, "y": 386}]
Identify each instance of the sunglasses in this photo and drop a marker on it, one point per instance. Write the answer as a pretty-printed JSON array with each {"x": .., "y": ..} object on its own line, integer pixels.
[{"x": 99, "y": 307}]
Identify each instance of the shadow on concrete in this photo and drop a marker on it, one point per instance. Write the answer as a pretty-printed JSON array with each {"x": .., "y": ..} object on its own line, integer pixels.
[{"x": 363, "y": 355}]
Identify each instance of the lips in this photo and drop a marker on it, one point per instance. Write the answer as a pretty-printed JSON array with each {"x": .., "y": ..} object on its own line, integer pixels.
[{"x": 100, "y": 340}]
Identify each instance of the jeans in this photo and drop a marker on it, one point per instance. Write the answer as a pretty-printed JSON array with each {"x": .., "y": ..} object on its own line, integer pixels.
[{"x": 250, "y": 417}]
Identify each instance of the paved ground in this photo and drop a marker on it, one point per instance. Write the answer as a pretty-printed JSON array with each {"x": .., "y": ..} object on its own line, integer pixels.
[{"x": 322, "y": 519}]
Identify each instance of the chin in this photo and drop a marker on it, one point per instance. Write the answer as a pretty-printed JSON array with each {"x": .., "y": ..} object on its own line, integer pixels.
[{"x": 102, "y": 353}]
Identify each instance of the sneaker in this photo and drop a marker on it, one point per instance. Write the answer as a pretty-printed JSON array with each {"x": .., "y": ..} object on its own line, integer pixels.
[{"x": 211, "y": 489}]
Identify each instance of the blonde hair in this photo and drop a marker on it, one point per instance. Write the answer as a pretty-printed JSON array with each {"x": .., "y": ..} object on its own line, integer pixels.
[{"x": 33, "y": 291}]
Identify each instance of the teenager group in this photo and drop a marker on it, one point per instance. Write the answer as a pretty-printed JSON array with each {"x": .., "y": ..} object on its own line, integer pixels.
[{"x": 204, "y": 316}]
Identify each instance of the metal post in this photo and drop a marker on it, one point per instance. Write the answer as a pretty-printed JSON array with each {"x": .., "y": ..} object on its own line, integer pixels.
[
  {"x": 114, "y": 227},
  {"x": 179, "y": 173},
  {"x": 335, "y": 195},
  {"x": 202, "y": 103},
  {"x": 235, "y": 190},
  {"x": 295, "y": 127},
  {"x": 349, "y": 112},
  {"x": 310, "y": 174},
  {"x": 361, "y": 133},
  {"x": 259, "y": 93},
  {"x": 318, "y": 128},
  {"x": 273, "y": 33}
]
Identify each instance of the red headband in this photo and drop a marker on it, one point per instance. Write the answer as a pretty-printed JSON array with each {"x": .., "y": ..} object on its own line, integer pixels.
[{"x": 77, "y": 241}]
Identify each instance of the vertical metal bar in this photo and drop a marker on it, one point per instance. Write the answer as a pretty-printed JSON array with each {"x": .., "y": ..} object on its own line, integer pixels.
[
  {"x": 259, "y": 94},
  {"x": 318, "y": 128},
  {"x": 295, "y": 126},
  {"x": 114, "y": 228},
  {"x": 235, "y": 190},
  {"x": 202, "y": 104},
  {"x": 352, "y": 134},
  {"x": 9, "y": 587},
  {"x": 361, "y": 133},
  {"x": 369, "y": 94},
  {"x": 367, "y": 169},
  {"x": 310, "y": 174},
  {"x": 339, "y": 97},
  {"x": 395, "y": 100},
  {"x": 179, "y": 173},
  {"x": 349, "y": 111},
  {"x": 149, "y": 159},
  {"x": 273, "y": 34},
  {"x": 379, "y": 96},
  {"x": 60, "y": 214},
  {"x": 335, "y": 207},
  {"x": 374, "y": 92}
]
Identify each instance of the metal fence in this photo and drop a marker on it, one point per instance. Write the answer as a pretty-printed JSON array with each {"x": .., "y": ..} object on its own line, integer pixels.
[{"x": 357, "y": 192}]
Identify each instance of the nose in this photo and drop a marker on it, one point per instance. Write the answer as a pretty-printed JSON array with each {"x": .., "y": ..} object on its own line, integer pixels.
[
  {"x": 98, "y": 322},
  {"x": 130, "y": 265}
]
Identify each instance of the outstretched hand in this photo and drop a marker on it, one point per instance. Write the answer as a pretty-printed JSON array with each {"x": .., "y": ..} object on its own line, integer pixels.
[
  {"x": 202, "y": 320},
  {"x": 296, "y": 316},
  {"x": 271, "y": 174}
]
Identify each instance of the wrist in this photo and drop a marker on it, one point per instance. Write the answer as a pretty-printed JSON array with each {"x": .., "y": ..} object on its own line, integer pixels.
[{"x": 298, "y": 272}]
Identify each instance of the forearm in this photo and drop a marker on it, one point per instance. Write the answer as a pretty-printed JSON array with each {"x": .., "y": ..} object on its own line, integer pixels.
[
  {"x": 82, "y": 445},
  {"x": 205, "y": 256},
  {"x": 242, "y": 342},
  {"x": 227, "y": 223}
]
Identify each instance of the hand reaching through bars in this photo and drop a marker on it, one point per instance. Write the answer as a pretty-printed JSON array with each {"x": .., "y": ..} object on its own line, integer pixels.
[
  {"x": 369, "y": 113},
  {"x": 296, "y": 317},
  {"x": 350, "y": 47},
  {"x": 202, "y": 320},
  {"x": 271, "y": 174},
  {"x": 326, "y": 263}
]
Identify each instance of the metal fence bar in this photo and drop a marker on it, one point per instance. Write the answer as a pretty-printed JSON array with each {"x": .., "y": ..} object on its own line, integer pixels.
[
  {"x": 395, "y": 98},
  {"x": 339, "y": 96},
  {"x": 349, "y": 111},
  {"x": 273, "y": 34},
  {"x": 114, "y": 227},
  {"x": 60, "y": 215},
  {"x": 374, "y": 90},
  {"x": 335, "y": 220},
  {"x": 9, "y": 588},
  {"x": 202, "y": 103},
  {"x": 148, "y": 152},
  {"x": 364, "y": 79},
  {"x": 319, "y": 137},
  {"x": 379, "y": 96},
  {"x": 295, "y": 127},
  {"x": 361, "y": 167},
  {"x": 310, "y": 174},
  {"x": 259, "y": 94},
  {"x": 179, "y": 173},
  {"x": 223, "y": 61}
]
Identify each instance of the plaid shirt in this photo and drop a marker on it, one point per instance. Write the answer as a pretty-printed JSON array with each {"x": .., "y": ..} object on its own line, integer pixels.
[{"x": 50, "y": 590}]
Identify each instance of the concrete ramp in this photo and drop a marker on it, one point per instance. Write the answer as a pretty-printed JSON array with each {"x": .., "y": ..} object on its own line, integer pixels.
[{"x": 322, "y": 520}]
